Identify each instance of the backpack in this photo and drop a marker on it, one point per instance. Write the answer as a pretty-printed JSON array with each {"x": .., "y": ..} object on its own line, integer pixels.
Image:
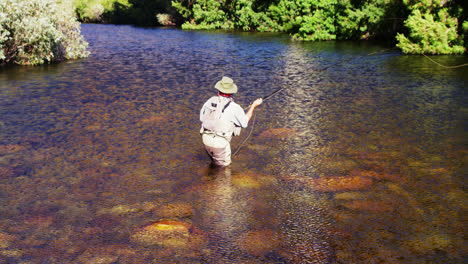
[{"x": 212, "y": 121}]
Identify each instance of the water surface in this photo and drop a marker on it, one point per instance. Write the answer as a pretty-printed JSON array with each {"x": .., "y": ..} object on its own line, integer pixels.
[{"x": 359, "y": 158}]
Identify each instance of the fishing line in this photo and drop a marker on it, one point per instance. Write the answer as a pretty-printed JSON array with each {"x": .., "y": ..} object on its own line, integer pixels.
[
  {"x": 323, "y": 69},
  {"x": 247, "y": 137},
  {"x": 355, "y": 58},
  {"x": 253, "y": 119},
  {"x": 280, "y": 89},
  {"x": 445, "y": 66}
]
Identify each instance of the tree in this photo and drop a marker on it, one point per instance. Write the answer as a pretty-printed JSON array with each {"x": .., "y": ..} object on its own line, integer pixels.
[{"x": 433, "y": 28}]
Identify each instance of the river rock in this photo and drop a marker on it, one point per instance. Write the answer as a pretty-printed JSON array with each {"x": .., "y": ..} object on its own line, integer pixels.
[
  {"x": 350, "y": 196},
  {"x": 177, "y": 209},
  {"x": 251, "y": 180},
  {"x": 168, "y": 233},
  {"x": 333, "y": 184},
  {"x": 426, "y": 244},
  {"x": 6, "y": 172},
  {"x": 376, "y": 175},
  {"x": 154, "y": 119},
  {"x": 259, "y": 242},
  {"x": 109, "y": 254},
  {"x": 372, "y": 206},
  {"x": 10, "y": 149},
  {"x": 6, "y": 240}
]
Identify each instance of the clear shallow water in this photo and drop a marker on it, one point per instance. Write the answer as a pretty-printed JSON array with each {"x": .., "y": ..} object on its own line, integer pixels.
[{"x": 364, "y": 162}]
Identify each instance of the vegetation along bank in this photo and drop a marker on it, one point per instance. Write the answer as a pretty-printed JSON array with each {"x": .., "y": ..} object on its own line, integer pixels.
[{"x": 41, "y": 31}]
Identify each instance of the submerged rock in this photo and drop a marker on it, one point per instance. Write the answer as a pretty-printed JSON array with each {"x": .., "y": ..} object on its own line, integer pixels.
[
  {"x": 252, "y": 180},
  {"x": 259, "y": 242},
  {"x": 154, "y": 118},
  {"x": 6, "y": 240},
  {"x": 333, "y": 184},
  {"x": 10, "y": 149},
  {"x": 6, "y": 172},
  {"x": 426, "y": 244},
  {"x": 349, "y": 196},
  {"x": 169, "y": 233},
  {"x": 109, "y": 254},
  {"x": 169, "y": 210},
  {"x": 372, "y": 206},
  {"x": 178, "y": 209},
  {"x": 376, "y": 175}
]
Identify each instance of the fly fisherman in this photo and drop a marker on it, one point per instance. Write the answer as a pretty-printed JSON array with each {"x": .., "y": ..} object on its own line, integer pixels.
[{"x": 222, "y": 118}]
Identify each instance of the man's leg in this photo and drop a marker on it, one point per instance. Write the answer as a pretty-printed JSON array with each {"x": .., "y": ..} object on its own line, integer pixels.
[{"x": 218, "y": 148}]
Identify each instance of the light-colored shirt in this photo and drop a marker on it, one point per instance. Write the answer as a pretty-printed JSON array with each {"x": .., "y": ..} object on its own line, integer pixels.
[{"x": 233, "y": 113}]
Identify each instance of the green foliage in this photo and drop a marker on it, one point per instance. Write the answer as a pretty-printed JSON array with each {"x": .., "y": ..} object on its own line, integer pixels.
[
  {"x": 93, "y": 10},
  {"x": 247, "y": 19},
  {"x": 420, "y": 26},
  {"x": 316, "y": 20},
  {"x": 432, "y": 30},
  {"x": 138, "y": 12},
  {"x": 208, "y": 14},
  {"x": 184, "y": 8},
  {"x": 37, "y": 31},
  {"x": 361, "y": 22}
]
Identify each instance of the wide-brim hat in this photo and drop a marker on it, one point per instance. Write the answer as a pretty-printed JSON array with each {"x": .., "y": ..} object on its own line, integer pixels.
[{"x": 226, "y": 85}]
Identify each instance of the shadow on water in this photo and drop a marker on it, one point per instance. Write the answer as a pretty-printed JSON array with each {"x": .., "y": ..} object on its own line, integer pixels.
[{"x": 101, "y": 160}]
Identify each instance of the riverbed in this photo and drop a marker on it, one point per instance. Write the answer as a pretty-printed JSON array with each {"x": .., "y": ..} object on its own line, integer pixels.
[{"x": 358, "y": 156}]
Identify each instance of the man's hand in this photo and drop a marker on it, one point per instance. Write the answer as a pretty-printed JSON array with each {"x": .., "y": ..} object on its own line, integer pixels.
[{"x": 257, "y": 102}]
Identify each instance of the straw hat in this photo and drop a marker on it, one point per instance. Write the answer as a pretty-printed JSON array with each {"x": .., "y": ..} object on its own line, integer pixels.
[{"x": 226, "y": 85}]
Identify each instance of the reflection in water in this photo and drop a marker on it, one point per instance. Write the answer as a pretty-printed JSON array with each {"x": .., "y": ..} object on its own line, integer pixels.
[
  {"x": 223, "y": 214},
  {"x": 101, "y": 160}
]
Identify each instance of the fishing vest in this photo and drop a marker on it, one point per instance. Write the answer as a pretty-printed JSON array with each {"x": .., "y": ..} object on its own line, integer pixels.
[{"x": 212, "y": 121}]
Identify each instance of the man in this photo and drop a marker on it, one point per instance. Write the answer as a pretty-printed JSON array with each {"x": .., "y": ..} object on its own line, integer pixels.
[{"x": 222, "y": 118}]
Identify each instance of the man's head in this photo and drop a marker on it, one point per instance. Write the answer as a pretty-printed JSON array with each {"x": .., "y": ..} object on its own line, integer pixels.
[{"x": 226, "y": 86}]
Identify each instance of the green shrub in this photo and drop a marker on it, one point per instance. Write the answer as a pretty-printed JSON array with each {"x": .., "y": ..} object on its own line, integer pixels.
[
  {"x": 94, "y": 10},
  {"x": 38, "y": 31},
  {"x": 208, "y": 14},
  {"x": 317, "y": 21},
  {"x": 432, "y": 29}
]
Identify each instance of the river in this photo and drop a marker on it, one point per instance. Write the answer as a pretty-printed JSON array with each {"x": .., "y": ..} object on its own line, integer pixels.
[{"x": 360, "y": 156}]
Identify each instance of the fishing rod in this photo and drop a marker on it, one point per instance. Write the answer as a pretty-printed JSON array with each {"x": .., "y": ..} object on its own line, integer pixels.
[
  {"x": 324, "y": 69},
  {"x": 280, "y": 89},
  {"x": 253, "y": 119}
]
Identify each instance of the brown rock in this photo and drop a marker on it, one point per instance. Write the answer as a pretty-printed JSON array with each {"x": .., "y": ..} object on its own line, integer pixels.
[
  {"x": 6, "y": 172},
  {"x": 175, "y": 210},
  {"x": 337, "y": 184},
  {"x": 366, "y": 205},
  {"x": 376, "y": 175},
  {"x": 10, "y": 149},
  {"x": 168, "y": 233},
  {"x": 259, "y": 242}
]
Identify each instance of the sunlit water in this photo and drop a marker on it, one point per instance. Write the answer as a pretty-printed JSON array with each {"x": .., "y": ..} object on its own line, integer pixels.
[{"x": 357, "y": 159}]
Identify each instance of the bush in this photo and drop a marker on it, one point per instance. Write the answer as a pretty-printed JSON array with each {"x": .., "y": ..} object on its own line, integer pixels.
[
  {"x": 95, "y": 10},
  {"x": 432, "y": 29},
  {"x": 165, "y": 19},
  {"x": 420, "y": 26},
  {"x": 38, "y": 31}
]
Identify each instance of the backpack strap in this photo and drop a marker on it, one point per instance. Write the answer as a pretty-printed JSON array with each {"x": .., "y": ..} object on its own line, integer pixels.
[{"x": 224, "y": 108}]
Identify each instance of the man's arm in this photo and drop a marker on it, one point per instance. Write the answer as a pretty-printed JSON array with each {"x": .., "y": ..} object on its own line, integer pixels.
[{"x": 256, "y": 103}]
